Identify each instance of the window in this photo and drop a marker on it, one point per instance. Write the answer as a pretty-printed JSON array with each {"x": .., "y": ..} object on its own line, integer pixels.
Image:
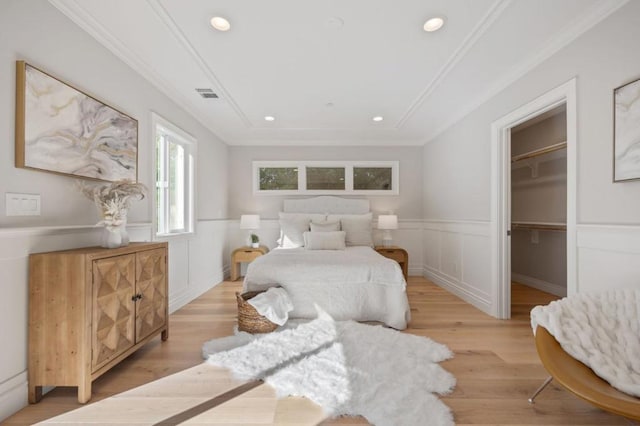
[
  {"x": 175, "y": 151},
  {"x": 372, "y": 178},
  {"x": 326, "y": 177},
  {"x": 278, "y": 178}
]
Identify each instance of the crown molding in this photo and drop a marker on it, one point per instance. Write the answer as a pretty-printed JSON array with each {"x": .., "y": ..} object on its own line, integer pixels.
[
  {"x": 481, "y": 27},
  {"x": 575, "y": 29},
  {"x": 182, "y": 39},
  {"x": 72, "y": 10}
]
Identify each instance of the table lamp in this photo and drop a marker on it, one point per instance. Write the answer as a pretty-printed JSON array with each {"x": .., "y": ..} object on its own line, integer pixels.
[{"x": 387, "y": 222}]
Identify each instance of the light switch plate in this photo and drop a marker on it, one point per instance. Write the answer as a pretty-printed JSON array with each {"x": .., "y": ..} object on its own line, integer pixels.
[{"x": 22, "y": 204}]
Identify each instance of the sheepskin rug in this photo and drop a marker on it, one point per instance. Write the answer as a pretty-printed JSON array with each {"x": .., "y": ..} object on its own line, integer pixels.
[{"x": 347, "y": 368}]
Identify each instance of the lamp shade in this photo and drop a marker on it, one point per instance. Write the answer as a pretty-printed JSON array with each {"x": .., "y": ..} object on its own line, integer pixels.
[
  {"x": 387, "y": 221},
  {"x": 250, "y": 221}
]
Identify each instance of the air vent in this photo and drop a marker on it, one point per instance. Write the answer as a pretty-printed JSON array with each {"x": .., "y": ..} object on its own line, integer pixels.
[{"x": 207, "y": 93}]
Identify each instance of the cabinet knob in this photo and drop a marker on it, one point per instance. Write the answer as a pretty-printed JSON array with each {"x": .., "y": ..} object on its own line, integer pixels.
[{"x": 136, "y": 297}]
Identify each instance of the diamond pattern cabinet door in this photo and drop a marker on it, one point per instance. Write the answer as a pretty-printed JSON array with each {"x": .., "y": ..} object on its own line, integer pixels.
[
  {"x": 114, "y": 309},
  {"x": 151, "y": 311}
]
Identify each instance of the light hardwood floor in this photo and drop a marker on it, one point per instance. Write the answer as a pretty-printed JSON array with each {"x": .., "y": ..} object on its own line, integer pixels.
[{"x": 495, "y": 361}]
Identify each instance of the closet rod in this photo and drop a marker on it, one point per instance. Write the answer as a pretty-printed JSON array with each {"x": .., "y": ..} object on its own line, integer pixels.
[
  {"x": 539, "y": 226},
  {"x": 541, "y": 151}
]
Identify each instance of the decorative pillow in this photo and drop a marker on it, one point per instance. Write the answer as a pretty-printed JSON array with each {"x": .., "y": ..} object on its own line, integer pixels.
[
  {"x": 325, "y": 226},
  {"x": 357, "y": 228},
  {"x": 324, "y": 240},
  {"x": 293, "y": 225},
  {"x": 291, "y": 232}
]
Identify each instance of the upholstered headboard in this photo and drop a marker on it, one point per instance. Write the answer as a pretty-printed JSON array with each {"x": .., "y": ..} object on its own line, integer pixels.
[{"x": 327, "y": 204}]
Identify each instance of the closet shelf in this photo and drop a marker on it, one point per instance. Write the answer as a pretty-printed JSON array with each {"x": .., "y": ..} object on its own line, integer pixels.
[
  {"x": 540, "y": 226},
  {"x": 538, "y": 152}
]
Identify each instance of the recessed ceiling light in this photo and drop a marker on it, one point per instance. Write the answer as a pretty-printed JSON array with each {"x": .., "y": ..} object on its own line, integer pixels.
[
  {"x": 269, "y": 118},
  {"x": 378, "y": 118},
  {"x": 220, "y": 23},
  {"x": 433, "y": 24}
]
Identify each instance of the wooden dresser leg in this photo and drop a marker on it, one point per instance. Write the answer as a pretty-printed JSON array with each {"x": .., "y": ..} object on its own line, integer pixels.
[
  {"x": 35, "y": 394},
  {"x": 164, "y": 335},
  {"x": 84, "y": 391}
]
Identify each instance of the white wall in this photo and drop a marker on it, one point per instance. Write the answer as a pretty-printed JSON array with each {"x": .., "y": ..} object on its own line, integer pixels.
[
  {"x": 458, "y": 164},
  {"x": 407, "y": 205},
  {"x": 36, "y": 32}
]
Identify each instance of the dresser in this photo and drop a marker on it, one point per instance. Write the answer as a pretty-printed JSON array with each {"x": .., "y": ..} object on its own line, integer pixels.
[{"x": 89, "y": 309}]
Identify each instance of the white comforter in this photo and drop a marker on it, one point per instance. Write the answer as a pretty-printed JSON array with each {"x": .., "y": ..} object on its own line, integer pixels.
[
  {"x": 356, "y": 283},
  {"x": 602, "y": 330}
]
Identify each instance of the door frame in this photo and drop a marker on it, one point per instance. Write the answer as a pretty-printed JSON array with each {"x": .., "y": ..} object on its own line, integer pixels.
[{"x": 501, "y": 190}]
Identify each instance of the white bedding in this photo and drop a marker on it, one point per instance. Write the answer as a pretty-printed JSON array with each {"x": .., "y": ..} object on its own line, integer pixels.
[{"x": 356, "y": 283}]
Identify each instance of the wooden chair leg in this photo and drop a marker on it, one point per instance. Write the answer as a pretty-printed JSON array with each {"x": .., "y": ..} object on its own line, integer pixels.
[{"x": 540, "y": 389}]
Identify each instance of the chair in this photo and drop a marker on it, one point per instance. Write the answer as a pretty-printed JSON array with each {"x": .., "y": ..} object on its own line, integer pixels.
[{"x": 580, "y": 380}]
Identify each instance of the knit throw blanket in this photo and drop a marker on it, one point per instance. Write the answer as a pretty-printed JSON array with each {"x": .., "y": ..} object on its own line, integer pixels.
[{"x": 602, "y": 330}]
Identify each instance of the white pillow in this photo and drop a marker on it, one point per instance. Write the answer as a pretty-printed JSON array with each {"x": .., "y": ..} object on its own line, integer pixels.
[
  {"x": 291, "y": 232},
  {"x": 324, "y": 240},
  {"x": 357, "y": 228},
  {"x": 293, "y": 225},
  {"x": 325, "y": 226}
]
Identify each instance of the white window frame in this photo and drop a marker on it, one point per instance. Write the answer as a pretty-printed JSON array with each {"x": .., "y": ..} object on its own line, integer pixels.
[
  {"x": 189, "y": 144},
  {"x": 348, "y": 165}
]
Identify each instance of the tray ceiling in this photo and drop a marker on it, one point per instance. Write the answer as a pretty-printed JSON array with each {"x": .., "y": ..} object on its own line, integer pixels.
[{"x": 324, "y": 69}]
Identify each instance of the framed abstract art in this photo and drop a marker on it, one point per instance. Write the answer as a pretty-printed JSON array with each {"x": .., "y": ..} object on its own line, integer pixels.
[
  {"x": 63, "y": 130},
  {"x": 626, "y": 132}
]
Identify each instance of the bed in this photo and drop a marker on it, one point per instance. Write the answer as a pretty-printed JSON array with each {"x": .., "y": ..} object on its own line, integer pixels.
[{"x": 336, "y": 270}]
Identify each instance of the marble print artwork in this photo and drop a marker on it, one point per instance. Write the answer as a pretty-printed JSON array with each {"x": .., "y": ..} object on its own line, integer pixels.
[
  {"x": 67, "y": 131},
  {"x": 627, "y": 132}
]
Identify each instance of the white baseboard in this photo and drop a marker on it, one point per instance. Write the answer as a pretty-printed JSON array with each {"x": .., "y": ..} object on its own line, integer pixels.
[
  {"x": 193, "y": 292},
  {"x": 415, "y": 271},
  {"x": 13, "y": 395},
  {"x": 542, "y": 285},
  {"x": 457, "y": 288}
]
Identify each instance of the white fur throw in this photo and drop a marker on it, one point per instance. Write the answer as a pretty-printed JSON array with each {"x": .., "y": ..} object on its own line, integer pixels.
[
  {"x": 602, "y": 330},
  {"x": 349, "y": 368}
]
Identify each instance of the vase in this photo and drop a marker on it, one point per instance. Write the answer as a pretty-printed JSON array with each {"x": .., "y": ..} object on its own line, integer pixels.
[
  {"x": 111, "y": 237},
  {"x": 123, "y": 230}
]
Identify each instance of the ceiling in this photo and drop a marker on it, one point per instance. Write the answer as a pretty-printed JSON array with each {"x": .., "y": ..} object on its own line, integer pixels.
[{"x": 324, "y": 69}]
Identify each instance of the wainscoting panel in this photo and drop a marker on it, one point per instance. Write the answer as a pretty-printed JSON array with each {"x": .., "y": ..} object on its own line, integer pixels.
[
  {"x": 178, "y": 270},
  {"x": 476, "y": 265},
  {"x": 457, "y": 258},
  {"x": 608, "y": 257},
  {"x": 204, "y": 267},
  {"x": 451, "y": 255}
]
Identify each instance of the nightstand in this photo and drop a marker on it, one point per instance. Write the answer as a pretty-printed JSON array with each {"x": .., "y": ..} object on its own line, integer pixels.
[
  {"x": 244, "y": 254},
  {"x": 398, "y": 254}
]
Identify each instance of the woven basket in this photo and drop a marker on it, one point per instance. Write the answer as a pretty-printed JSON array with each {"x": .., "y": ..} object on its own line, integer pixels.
[{"x": 249, "y": 319}]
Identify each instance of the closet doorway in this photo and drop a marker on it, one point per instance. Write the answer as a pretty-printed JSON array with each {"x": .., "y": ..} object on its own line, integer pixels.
[
  {"x": 539, "y": 204},
  {"x": 537, "y": 177}
]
